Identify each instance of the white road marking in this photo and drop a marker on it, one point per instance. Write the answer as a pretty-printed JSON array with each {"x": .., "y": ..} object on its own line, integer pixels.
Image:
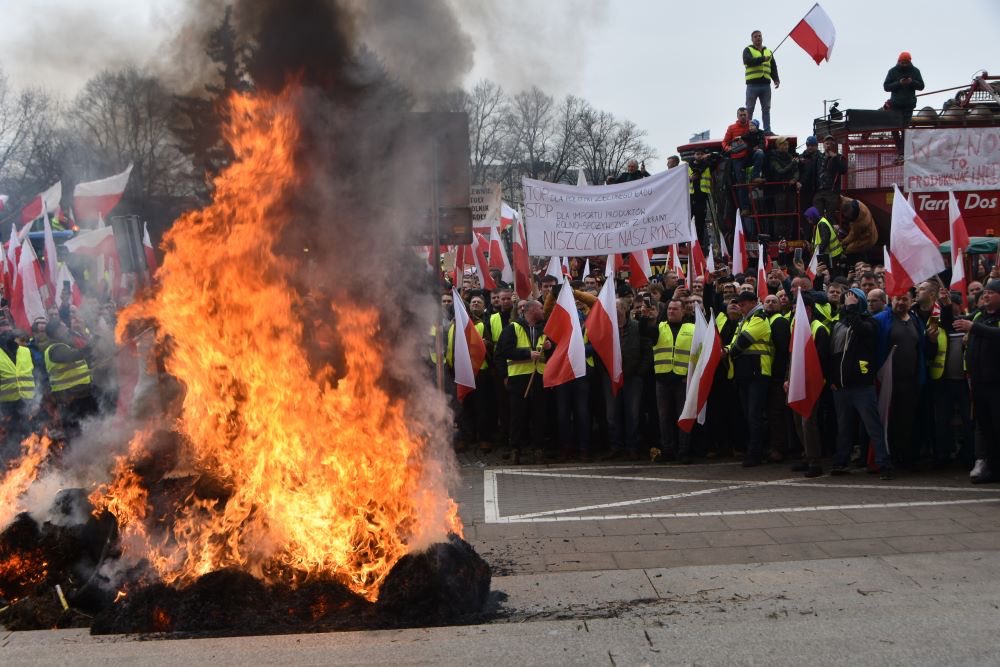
[{"x": 491, "y": 501}]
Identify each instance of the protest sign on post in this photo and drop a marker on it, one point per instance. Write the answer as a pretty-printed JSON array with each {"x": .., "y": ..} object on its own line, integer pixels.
[
  {"x": 961, "y": 158},
  {"x": 580, "y": 221},
  {"x": 484, "y": 200}
]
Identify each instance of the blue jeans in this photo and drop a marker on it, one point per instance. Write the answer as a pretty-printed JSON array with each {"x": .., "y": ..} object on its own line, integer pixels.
[
  {"x": 762, "y": 92},
  {"x": 851, "y": 403},
  {"x": 623, "y": 413}
]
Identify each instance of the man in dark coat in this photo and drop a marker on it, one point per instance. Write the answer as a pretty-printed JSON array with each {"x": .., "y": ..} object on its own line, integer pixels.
[{"x": 903, "y": 81}]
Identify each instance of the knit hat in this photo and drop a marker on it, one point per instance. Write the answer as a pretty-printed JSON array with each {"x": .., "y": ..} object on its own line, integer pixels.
[
  {"x": 861, "y": 297},
  {"x": 812, "y": 213},
  {"x": 904, "y": 55},
  {"x": 811, "y": 141},
  {"x": 993, "y": 285}
]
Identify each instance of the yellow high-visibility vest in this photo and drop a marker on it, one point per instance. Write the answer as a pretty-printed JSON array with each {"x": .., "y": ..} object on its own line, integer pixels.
[
  {"x": 759, "y": 71},
  {"x": 670, "y": 355},
  {"x": 525, "y": 366},
  {"x": 65, "y": 376},
  {"x": 17, "y": 381}
]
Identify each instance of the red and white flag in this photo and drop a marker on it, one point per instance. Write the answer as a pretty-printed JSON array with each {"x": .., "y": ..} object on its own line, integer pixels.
[
  {"x": 470, "y": 350},
  {"x": 507, "y": 216},
  {"x": 739, "y": 247},
  {"x": 696, "y": 260},
  {"x": 675, "y": 262},
  {"x": 569, "y": 360},
  {"x": 147, "y": 246},
  {"x": 813, "y": 267},
  {"x": 914, "y": 249},
  {"x": 723, "y": 248},
  {"x": 522, "y": 262},
  {"x": 66, "y": 276},
  {"x": 761, "y": 273},
  {"x": 13, "y": 256},
  {"x": 710, "y": 261},
  {"x": 27, "y": 302},
  {"x": 706, "y": 353},
  {"x": 97, "y": 242},
  {"x": 815, "y": 34},
  {"x": 478, "y": 260},
  {"x": 805, "y": 378},
  {"x": 959, "y": 245},
  {"x": 498, "y": 257},
  {"x": 47, "y": 201},
  {"x": 567, "y": 273},
  {"x": 95, "y": 198},
  {"x": 554, "y": 269},
  {"x": 586, "y": 268},
  {"x": 639, "y": 270},
  {"x": 51, "y": 258},
  {"x": 611, "y": 267},
  {"x": 602, "y": 331}
]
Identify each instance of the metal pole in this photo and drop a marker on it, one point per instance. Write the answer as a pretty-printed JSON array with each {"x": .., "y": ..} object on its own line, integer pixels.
[{"x": 436, "y": 245}]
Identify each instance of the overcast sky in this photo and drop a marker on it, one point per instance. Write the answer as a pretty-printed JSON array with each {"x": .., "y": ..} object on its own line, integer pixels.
[{"x": 672, "y": 67}]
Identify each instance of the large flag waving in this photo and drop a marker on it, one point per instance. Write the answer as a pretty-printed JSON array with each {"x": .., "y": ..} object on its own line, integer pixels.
[
  {"x": 498, "y": 257},
  {"x": 470, "y": 350},
  {"x": 914, "y": 248},
  {"x": 739, "y": 247},
  {"x": 639, "y": 270},
  {"x": 706, "y": 352},
  {"x": 602, "y": 330},
  {"x": 27, "y": 303},
  {"x": 522, "y": 263},
  {"x": 95, "y": 198},
  {"x": 805, "y": 378},
  {"x": 47, "y": 201},
  {"x": 554, "y": 269},
  {"x": 569, "y": 361},
  {"x": 815, "y": 34},
  {"x": 479, "y": 246},
  {"x": 51, "y": 257},
  {"x": 761, "y": 274},
  {"x": 959, "y": 245}
]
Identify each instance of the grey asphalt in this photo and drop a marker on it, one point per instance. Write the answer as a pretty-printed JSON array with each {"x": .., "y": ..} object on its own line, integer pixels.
[{"x": 908, "y": 608}]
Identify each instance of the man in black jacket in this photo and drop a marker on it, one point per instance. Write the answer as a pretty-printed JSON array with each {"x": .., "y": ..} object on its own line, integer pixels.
[
  {"x": 903, "y": 81},
  {"x": 853, "y": 343},
  {"x": 983, "y": 362}
]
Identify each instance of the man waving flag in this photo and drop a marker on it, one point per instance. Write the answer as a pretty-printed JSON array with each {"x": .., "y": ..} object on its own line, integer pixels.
[{"x": 569, "y": 361}]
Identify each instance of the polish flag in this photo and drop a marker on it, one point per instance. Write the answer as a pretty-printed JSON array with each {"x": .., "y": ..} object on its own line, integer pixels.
[
  {"x": 507, "y": 216},
  {"x": 147, "y": 246},
  {"x": 13, "y": 256},
  {"x": 639, "y": 270},
  {"x": 66, "y": 276},
  {"x": 815, "y": 34},
  {"x": 675, "y": 262},
  {"x": 709, "y": 263},
  {"x": 522, "y": 263},
  {"x": 6, "y": 273},
  {"x": 602, "y": 331},
  {"x": 498, "y": 256},
  {"x": 554, "y": 269},
  {"x": 722, "y": 243},
  {"x": 47, "y": 201},
  {"x": 27, "y": 303},
  {"x": 739, "y": 247},
  {"x": 51, "y": 257},
  {"x": 696, "y": 260},
  {"x": 813, "y": 269},
  {"x": 99, "y": 197},
  {"x": 97, "y": 242},
  {"x": 586, "y": 268},
  {"x": 805, "y": 379},
  {"x": 959, "y": 246},
  {"x": 470, "y": 350},
  {"x": 569, "y": 361},
  {"x": 611, "y": 266},
  {"x": 915, "y": 252},
  {"x": 567, "y": 273},
  {"x": 761, "y": 274},
  {"x": 706, "y": 353},
  {"x": 478, "y": 248}
]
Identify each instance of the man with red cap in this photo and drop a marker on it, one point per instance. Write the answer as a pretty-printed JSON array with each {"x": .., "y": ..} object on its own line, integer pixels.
[{"x": 903, "y": 81}]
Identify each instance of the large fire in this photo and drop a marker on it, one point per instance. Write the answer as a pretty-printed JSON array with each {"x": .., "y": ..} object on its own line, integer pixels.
[{"x": 322, "y": 474}]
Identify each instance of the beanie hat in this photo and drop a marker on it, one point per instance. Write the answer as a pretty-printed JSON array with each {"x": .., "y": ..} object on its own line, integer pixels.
[
  {"x": 904, "y": 55},
  {"x": 861, "y": 297},
  {"x": 993, "y": 285},
  {"x": 811, "y": 141},
  {"x": 812, "y": 213}
]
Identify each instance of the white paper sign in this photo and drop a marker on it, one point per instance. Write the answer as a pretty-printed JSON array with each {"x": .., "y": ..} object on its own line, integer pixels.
[
  {"x": 963, "y": 158},
  {"x": 580, "y": 221}
]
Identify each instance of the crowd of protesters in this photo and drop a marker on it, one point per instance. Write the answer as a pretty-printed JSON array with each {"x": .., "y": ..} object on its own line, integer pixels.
[{"x": 944, "y": 382}]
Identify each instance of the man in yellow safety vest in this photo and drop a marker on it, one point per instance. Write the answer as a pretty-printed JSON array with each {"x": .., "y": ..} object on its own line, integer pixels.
[{"x": 761, "y": 70}]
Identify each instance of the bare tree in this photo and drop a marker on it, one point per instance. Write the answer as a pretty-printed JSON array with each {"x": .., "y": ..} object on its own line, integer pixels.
[
  {"x": 606, "y": 144},
  {"x": 27, "y": 120},
  {"x": 488, "y": 108}
]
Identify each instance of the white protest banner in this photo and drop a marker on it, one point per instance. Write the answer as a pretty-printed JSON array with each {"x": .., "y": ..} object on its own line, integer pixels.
[
  {"x": 484, "y": 200},
  {"x": 580, "y": 221},
  {"x": 961, "y": 158}
]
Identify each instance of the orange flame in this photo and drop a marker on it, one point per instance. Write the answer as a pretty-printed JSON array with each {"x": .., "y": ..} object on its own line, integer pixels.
[
  {"x": 323, "y": 476},
  {"x": 22, "y": 472}
]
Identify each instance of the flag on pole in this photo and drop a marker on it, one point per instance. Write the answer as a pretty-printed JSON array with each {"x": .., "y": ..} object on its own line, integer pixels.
[
  {"x": 47, "y": 201},
  {"x": 805, "y": 378},
  {"x": 479, "y": 246},
  {"x": 567, "y": 274},
  {"x": 739, "y": 247},
  {"x": 498, "y": 257},
  {"x": 507, "y": 216},
  {"x": 723, "y": 248},
  {"x": 959, "y": 246},
  {"x": 709, "y": 262},
  {"x": 66, "y": 276},
  {"x": 675, "y": 262},
  {"x": 586, "y": 268},
  {"x": 761, "y": 274},
  {"x": 813, "y": 267},
  {"x": 706, "y": 353},
  {"x": 815, "y": 34},
  {"x": 914, "y": 249},
  {"x": 611, "y": 267},
  {"x": 147, "y": 246},
  {"x": 602, "y": 331},
  {"x": 554, "y": 269},
  {"x": 569, "y": 360},
  {"x": 522, "y": 263},
  {"x": 696, "y": 260},
  {"x": 95, "y": 198},
  {"x": 27, "y": 302},
  {"x": 470, "y": 350},
  {"x": 51, "y": 258},
  {"x": 639, "y": 269}
]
